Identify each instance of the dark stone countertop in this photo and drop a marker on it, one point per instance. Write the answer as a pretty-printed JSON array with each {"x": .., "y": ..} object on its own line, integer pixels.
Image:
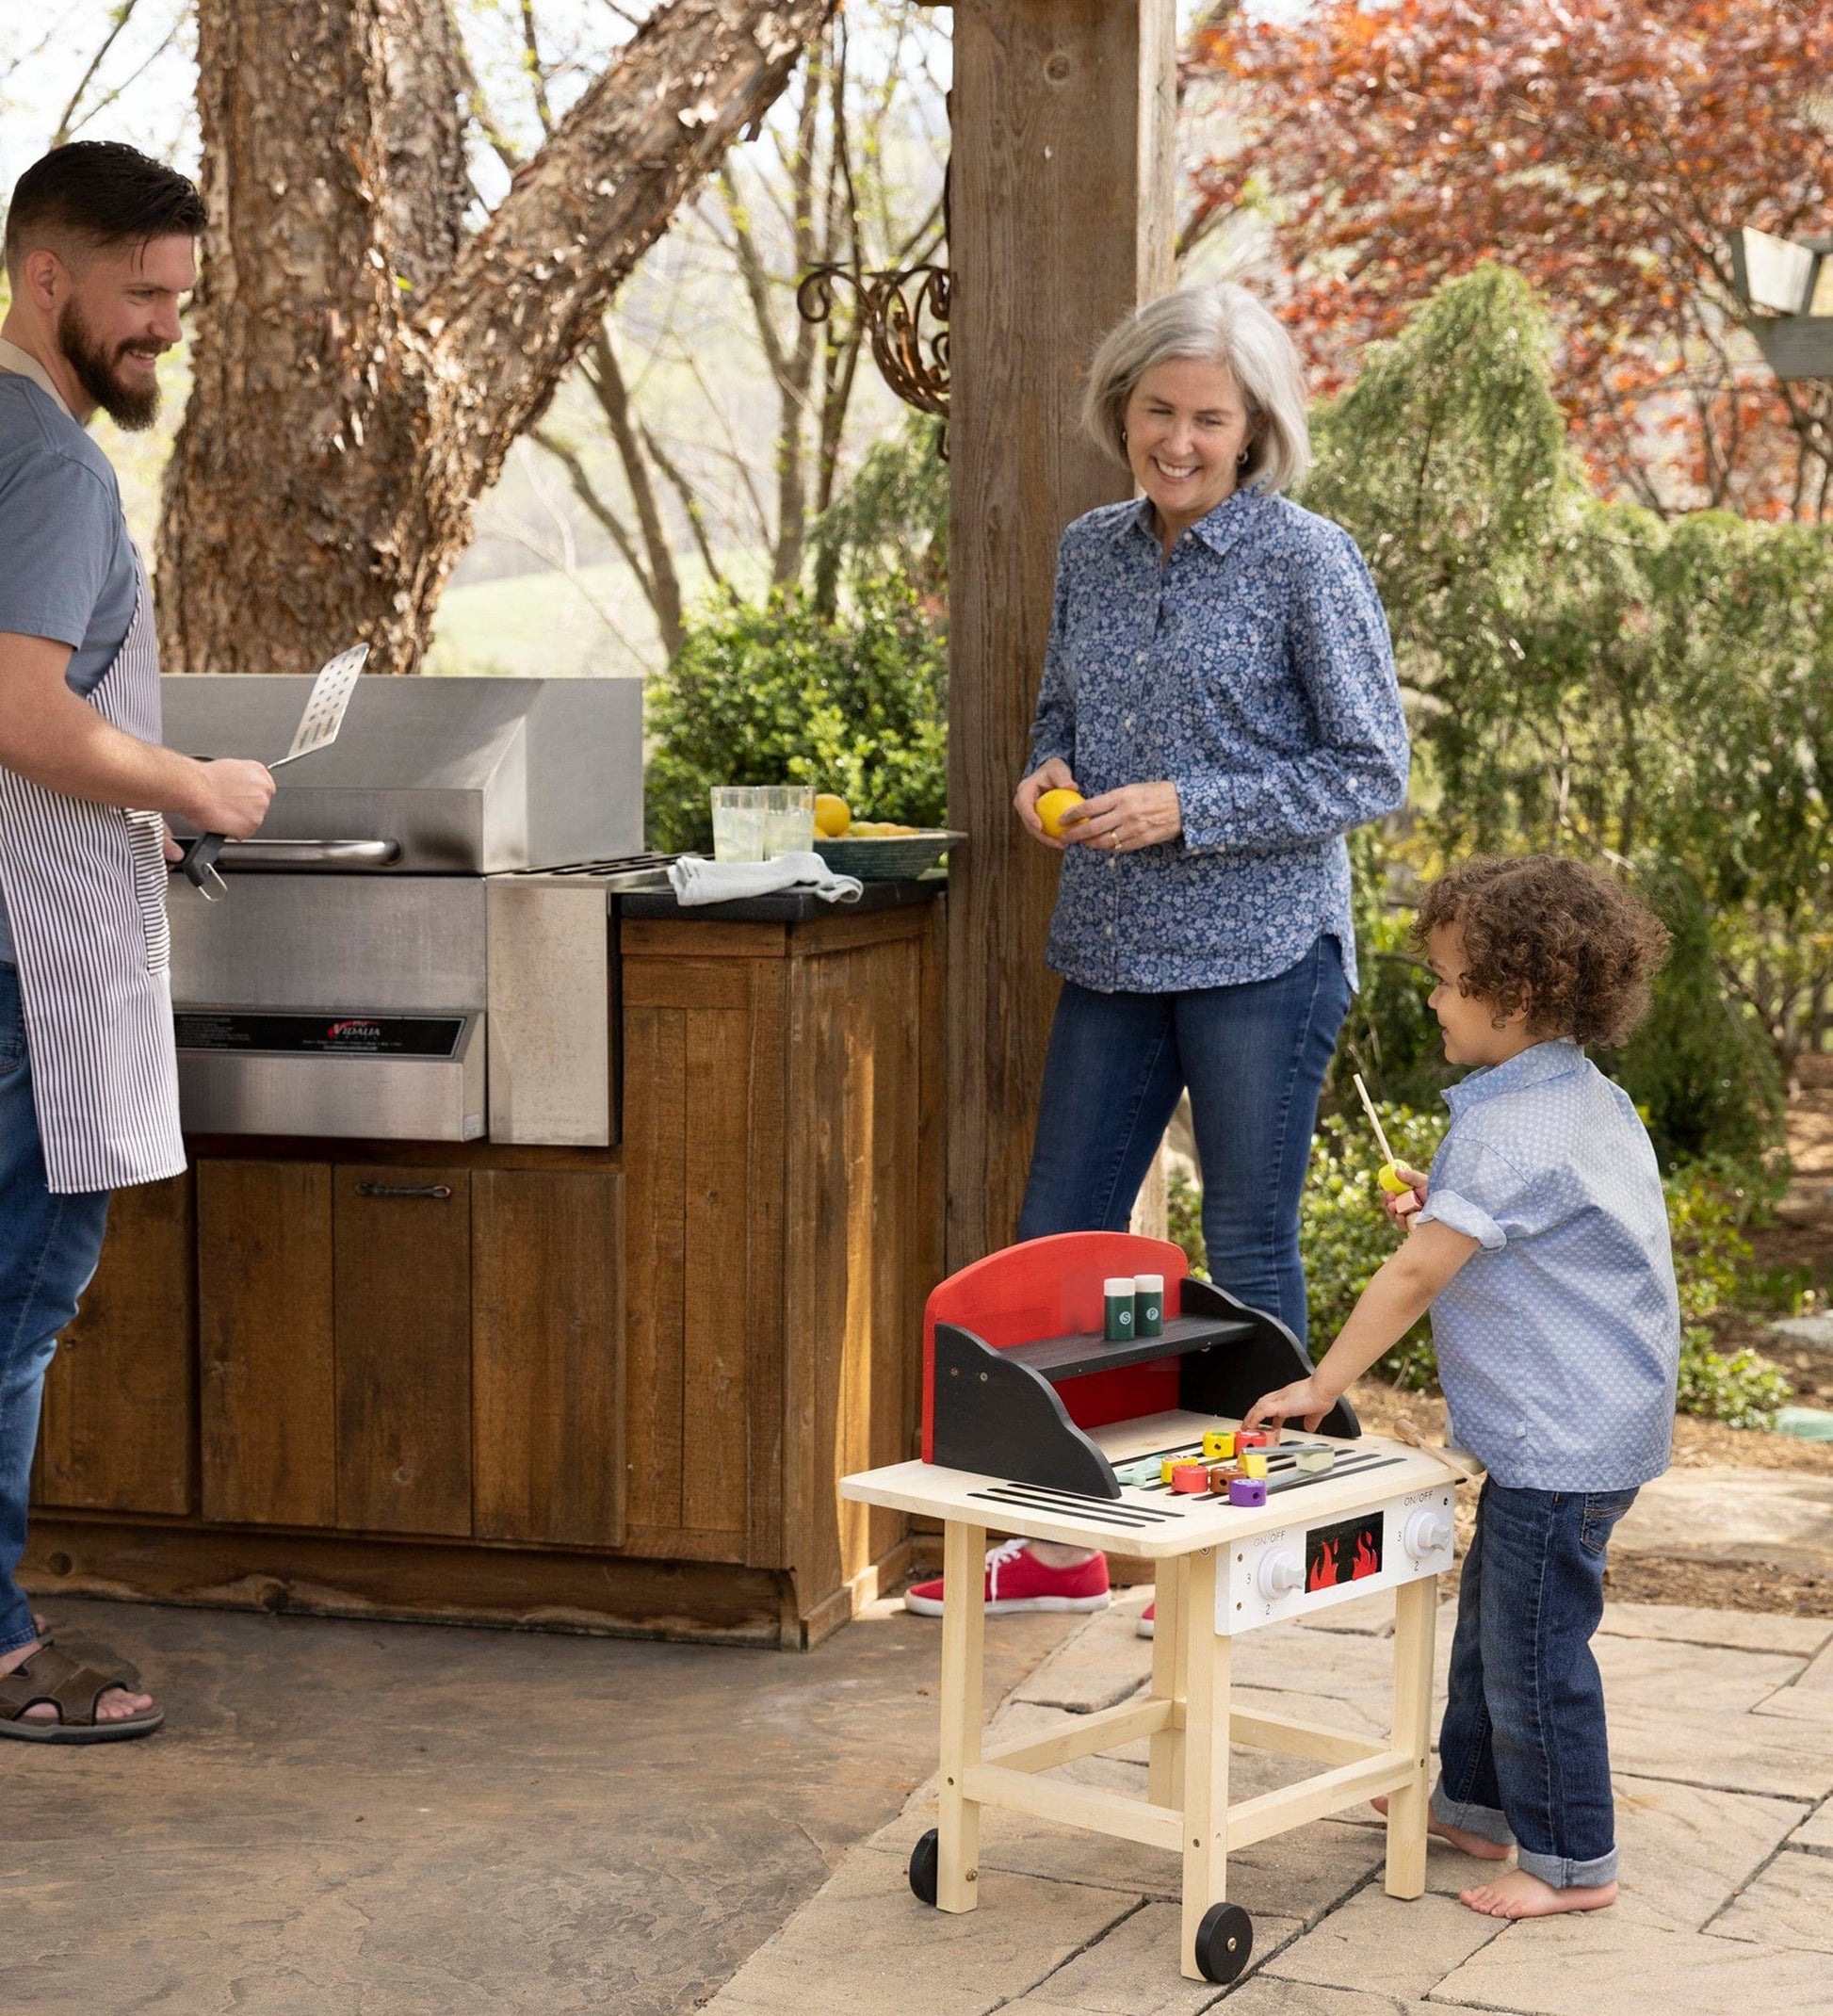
[{"x": 787, "y": 907}]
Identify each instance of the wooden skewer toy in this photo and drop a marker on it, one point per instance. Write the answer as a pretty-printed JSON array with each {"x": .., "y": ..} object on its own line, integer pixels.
[{"x": 1388, "y": 1175}]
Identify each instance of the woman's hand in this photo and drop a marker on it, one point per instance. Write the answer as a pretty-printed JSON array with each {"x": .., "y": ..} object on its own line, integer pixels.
[
  {"x": 1402, "y": 1206},
  {"x": 1302, "y": 1399},
  {"x": 1123, "y": 822},
  {"x": 1050, "y": 775}
]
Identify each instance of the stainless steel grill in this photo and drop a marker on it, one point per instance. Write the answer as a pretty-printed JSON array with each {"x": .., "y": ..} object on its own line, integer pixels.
[{"x": 385, "y": 966}]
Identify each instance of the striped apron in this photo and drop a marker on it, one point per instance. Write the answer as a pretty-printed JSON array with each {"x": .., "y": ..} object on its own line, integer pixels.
[{"x": 85, "y": 892}]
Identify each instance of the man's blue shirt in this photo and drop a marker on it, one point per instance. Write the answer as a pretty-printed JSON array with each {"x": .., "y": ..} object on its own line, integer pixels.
[
  {"x": 66, "y": 561},
  {"x": 1253, "y": 669},
  {"x": 1559, "y": 1341}
]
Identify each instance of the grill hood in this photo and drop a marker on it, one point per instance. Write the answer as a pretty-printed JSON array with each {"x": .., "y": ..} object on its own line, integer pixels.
[{"x": 464, "y": 776}]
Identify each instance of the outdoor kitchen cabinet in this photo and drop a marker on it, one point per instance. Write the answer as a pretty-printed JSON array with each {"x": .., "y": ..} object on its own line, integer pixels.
[{"x": 596, "y": 1388}]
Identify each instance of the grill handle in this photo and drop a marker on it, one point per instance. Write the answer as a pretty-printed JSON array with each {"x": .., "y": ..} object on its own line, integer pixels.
[
  {"x": 310, "y": 854},
  {"x": 440, "y": 1192}
]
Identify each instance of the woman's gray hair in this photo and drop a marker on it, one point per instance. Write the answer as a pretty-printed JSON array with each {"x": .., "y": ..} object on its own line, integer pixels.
[{"x": 1218, "y": 324}]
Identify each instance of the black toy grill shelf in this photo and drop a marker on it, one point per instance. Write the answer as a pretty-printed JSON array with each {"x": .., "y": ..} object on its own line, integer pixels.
[{"x": 999, "y": 1412}]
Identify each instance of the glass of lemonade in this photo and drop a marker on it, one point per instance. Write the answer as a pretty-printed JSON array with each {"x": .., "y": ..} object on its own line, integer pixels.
[
  {"x": 758, "y": 821},
  {"x": 788, "y": 819}
]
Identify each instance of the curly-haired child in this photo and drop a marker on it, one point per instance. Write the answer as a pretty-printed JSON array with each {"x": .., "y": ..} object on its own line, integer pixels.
[{"x": 1541, "y": 1247}]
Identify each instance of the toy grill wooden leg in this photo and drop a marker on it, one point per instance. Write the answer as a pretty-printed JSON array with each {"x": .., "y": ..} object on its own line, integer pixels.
[
  {"x": 1166, "y": 1778},
  {"x": 1206, "y": 1665},
  {"x": 1415, "y": 1604},
  {"x": 963, "y": 1623}
]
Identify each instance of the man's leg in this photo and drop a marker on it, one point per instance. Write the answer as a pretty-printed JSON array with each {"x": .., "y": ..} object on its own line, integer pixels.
[
  {"x": 1544, "y": 1557},
  {"x": 49, "y": 1246}
]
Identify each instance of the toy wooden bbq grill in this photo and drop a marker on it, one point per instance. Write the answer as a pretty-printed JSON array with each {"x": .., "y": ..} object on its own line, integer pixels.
[{"x": 1034, "y": 1425}]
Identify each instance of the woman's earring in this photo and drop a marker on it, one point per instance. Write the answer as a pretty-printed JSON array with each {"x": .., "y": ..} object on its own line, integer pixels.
[{"x": 1241, "y": 460}]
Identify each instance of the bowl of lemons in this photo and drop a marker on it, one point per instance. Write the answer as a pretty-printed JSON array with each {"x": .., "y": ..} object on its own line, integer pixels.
[{"x": 876, "y": 849}]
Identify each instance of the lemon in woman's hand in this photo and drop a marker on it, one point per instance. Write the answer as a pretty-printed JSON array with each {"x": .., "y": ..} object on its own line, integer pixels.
[
  {"x": 833, "y": 815},
  {"x": 1051, "y": 807}
]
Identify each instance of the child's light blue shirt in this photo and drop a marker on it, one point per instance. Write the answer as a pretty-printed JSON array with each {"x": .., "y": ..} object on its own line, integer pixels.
[{"x": 1559, "y": 1341}]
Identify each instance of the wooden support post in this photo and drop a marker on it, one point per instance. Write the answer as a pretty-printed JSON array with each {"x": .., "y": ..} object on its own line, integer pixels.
[
  {"x": 1415, "y": 1604},
  {"x": 1165, "y": 1773},
  {"x": 1061, "y": 222},
  {"x": 964, "y": 1630},
  {"x": 1206, "y": 1665}
]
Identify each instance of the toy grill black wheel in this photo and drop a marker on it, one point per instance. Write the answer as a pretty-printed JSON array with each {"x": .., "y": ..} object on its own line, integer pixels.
[
  {"x": 924, "y": 1859},
  {"x": 1223, "y": 1940}
]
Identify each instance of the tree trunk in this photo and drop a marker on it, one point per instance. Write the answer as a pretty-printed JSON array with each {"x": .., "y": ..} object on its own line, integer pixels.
[{"x": 361, "y": 370}]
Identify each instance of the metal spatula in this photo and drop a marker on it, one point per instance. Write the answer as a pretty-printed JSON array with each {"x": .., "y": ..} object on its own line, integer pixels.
[{"x": 325, "y": 707}]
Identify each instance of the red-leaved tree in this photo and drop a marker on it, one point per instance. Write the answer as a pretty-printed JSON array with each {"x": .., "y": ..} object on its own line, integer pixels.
[{"x": 1603, "y": 148}]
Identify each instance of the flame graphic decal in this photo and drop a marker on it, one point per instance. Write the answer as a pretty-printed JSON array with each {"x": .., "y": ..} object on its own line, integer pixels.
[{"x": 1368, "y": 1562}]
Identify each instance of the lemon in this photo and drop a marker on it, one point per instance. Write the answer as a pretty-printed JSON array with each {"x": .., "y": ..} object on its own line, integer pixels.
[
  {"x": 833, "y": 815},
  {"x": 1392, "y": 1180},
  {"x": 1051, "y": 807}
]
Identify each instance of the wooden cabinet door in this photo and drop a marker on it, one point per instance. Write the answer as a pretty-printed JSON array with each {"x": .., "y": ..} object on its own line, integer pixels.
[
  {"x": 547, "y": 1337},
  {"x": 264, "y": 1343},
  {"x": 117, "y": 1432},
  {"x": 402, "y": 1318}
]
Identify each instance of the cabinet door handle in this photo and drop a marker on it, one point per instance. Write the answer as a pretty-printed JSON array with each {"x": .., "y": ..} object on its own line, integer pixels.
[{"x": 439, "y": 1191}]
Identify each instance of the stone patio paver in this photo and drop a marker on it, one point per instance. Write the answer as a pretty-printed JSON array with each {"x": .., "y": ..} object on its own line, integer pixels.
[
  {"x": 1747, "y": 1631},
  {"x": 1816, "y": 1831},
  {"x": 1790, "y": 1904},
  {"x": 1267, "y": 1994},
  {"x": 1125, "y": 1973},
  {"x": 1783, "y": 1516},
  {"x": 1379, "y": 1943},
  {"x": 1600, "y": 1963}
]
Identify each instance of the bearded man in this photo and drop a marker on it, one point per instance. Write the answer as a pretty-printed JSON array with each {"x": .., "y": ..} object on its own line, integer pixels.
[{"x": 99, "y": 250}]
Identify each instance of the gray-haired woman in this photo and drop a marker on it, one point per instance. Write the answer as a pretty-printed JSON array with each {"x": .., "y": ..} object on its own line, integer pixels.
[{"x": 1220, "y": 685}]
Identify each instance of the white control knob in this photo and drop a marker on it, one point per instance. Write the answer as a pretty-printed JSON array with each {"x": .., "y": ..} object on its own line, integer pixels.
[
  {"x": 1428, "y": 1532},
  {"x": 1281, "y": 1572}
]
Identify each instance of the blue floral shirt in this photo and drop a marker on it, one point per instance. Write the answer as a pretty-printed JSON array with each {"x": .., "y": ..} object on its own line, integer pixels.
[
  {"x": 1253, "y": 669},
  {"x": 1559, "y": 1343}
]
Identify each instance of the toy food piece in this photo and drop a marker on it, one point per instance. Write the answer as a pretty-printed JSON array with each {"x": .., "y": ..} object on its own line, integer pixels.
[
  {"x": 1220, "y": 1476},
  {"x": 1312, "y": 1461},
  {"x": 1191, "y": 1478},
  {"x": 1117, "y": 1308},
  {"x": 1051, "y": 807},
  {"x": 1145, "y": 1473},
  {"x": 1217, "y": 1445},
  {"x": 1254, "y": 1462},
  {"x": 1392, "y": 1180},
  {"x": 1252, "y": 1438},
  {"x": 1248, "y": 1491},
  {"x": 1166, "y": 1466},
  {"x": 1148, "y": 1305},
  {"x": 833, "y": 815}
]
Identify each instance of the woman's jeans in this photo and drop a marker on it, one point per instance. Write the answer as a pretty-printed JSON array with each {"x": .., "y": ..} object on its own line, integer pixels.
[
  {"x": 1523, "y": 1756},
  {"x": 49, "y": 1247},
  {"x": 1254, "y": 1057}
]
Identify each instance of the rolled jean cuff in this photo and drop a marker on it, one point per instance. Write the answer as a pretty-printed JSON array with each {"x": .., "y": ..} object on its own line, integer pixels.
[
  {"x": 20, "y": 1633},
  {"x": 1482, "y": 1821},
  {"x": 1562, "y": 1873}
]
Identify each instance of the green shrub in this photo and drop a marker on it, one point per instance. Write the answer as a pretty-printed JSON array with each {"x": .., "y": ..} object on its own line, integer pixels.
[
  {"x": 1345, "y": 1235},
  {"x": 781, "y": 695},
  {"x": 1741, "y": 1390}
]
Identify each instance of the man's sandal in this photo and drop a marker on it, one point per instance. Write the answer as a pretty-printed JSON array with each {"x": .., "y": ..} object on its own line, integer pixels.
[{"x": 55, "y": 1679}]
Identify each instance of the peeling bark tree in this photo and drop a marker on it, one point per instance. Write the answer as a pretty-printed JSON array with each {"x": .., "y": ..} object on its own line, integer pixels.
[{"x": 360, "y": 366}]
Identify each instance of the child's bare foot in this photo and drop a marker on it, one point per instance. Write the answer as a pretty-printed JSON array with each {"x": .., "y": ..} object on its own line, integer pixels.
[
  {"x": 1459, "y": 1837},
  {"x": 1517, "y": 1895}
]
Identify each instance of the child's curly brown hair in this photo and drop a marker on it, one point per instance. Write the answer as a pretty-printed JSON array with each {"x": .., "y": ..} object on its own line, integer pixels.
[{"x": 1566, "y": 942}]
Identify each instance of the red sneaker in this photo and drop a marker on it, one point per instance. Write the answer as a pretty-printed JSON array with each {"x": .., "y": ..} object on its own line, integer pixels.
[
  {"x": 1017, "y": 1580},
  {"x": 1146, "y": 1625}
]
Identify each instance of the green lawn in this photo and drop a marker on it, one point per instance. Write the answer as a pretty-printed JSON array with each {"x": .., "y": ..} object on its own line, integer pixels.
[{"x": 545, "y": 626}]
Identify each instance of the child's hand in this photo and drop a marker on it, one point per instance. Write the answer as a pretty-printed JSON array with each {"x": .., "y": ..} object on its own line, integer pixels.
[
  {"x": 1301, "y": 1399},
  {"x": 1401, "y": 1207}
]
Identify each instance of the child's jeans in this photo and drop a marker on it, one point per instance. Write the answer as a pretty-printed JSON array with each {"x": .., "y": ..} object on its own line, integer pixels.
[{"x": 1522, "y": 1754}]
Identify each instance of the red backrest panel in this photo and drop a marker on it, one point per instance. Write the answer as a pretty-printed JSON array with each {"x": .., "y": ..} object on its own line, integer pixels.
[{"x": 1050, "y": 1287}]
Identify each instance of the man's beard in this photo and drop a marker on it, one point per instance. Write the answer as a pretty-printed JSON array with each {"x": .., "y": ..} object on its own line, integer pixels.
[{"x": 133, "y": 407}]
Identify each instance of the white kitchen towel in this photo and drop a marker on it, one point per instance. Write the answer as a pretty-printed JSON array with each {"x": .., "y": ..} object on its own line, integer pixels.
[{"x": 699, "y": 881}]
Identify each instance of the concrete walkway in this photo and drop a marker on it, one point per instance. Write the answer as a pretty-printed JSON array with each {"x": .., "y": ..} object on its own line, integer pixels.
[{"x": 1722, "y": 1731}]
